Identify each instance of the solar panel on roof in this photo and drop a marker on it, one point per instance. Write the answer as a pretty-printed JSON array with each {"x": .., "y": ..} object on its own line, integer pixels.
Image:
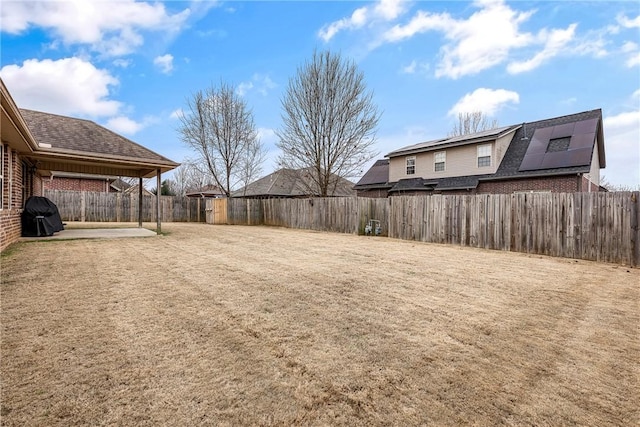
[
  {"x": 584, "y": 140},
  {"x": 548, "y": 149},
  {"x": 586, "y": 126},
  {"x": 561, "y": 131}
]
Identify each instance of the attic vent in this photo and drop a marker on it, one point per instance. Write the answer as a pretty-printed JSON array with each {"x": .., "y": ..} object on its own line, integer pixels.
[{"x": 558, "y": 144}]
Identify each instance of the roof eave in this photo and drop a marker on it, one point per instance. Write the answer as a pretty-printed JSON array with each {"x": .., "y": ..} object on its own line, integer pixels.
[
  {"x": 535, "y": 175},
  {"x": 13, "y": 119}
]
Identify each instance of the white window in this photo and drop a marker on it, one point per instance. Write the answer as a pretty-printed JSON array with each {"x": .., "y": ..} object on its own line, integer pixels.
[
  {"x": 411, "y": 165},
  {"x": 484, "y": 155},
  {"x": 439, "y": 160}
]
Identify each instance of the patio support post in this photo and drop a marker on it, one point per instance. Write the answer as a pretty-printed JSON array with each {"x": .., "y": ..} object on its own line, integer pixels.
[
  {"x": 140, "y": 202},
  {"x": 158, "y": 192}
]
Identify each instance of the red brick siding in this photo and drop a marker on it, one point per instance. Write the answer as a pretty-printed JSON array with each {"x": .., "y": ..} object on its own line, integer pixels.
[
  {"x": 559, "y": 184},
  {"x": 10, "y": 229},
  {"x": 38, "y": 186},
  {"x": 77, "y": 184},
  {"x": 12, "y": 199},
  {"x": 13, "y": 185},
  {"x": 586, "y": 184},
  {"x": 373, "y": 193}
]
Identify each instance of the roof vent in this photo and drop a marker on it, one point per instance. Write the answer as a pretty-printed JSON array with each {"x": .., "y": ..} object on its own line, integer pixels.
[{"x": 524, "y": 132}]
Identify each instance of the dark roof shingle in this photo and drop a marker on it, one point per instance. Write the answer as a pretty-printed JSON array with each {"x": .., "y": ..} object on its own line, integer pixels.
[
  {"x": 376, "y": 176},
  {"x": 289, "y": 183},
  {"x": 71, "y": 134}
]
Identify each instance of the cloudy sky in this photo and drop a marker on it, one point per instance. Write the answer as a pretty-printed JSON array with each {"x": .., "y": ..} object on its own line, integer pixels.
[{"x": 131, "y": 65}]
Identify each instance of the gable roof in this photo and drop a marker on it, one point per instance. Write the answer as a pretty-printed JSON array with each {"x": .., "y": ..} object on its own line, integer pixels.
[
  {"x": 584, "y": 130},
  {"x": 207, "y": 191},
  {"x": 63, "y": 140},
  {"x": 289, "y": 183},
  {"x": 510, "y": 167},
  {"x": 454, "y": 141},
  {"x": 376, "y": 177}
]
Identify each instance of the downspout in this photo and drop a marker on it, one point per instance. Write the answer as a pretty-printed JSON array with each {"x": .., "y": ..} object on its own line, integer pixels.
[{"x": 579, "y": 183}]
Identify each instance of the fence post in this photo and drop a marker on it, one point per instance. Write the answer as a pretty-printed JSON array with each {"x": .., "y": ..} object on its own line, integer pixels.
[
  {"x": 635, "y": 230},
  {"x": 118, "y": 207},
  {"x": 83, "y": 205}
]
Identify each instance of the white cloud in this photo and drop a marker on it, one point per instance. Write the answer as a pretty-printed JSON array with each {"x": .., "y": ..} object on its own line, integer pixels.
[
  {"x": 124, "y": 125},
  {"x": 122, "y": 63},
  {"x": 411, "y": 68},
  {"x": 489, "y": 101},
  {"x": 356, "y": 20},
  {"x": 259, "y": 82},
  {"x": 555, "y": 42},
  {"x": 415, "y": 67},
  {"x": 127, "y": 126},
  {"x": 267, "y": 136},
  {"x": 569, "y": 101},
  {"x": 629, "y": 22},
  {"x": 482, "y": 41},
  {"x": 632, "y": 51},
  {"x": 164, "y": 63},
  {"x": 243, "y": 88},
  {"x": 633, "y": 60},
  {"x": 390, "y": 9},
  {"x": 111, "y": 28},
  {"x": 176, "y": 114},
  {"x": 622, "y": 133},
  {"x": 383, "y": 10},
  {"x": 69, "y": 86}
]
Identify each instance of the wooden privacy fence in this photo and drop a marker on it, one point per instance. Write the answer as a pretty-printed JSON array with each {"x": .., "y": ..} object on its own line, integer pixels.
[
  {"x": 592, "y": 226},
  {"x": 336, "y": 214},
  {"x": 117, "y": 207}
]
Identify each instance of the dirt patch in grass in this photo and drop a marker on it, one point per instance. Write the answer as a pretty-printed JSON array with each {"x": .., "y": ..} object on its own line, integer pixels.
[{"x": 230, "y": 325}]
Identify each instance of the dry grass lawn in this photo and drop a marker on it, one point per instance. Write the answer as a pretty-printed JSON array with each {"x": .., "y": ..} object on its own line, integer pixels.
[{"x": 225, "y": 325}]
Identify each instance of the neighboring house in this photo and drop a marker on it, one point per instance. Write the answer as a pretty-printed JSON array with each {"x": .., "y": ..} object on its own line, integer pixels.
[
  {"x": 135, "y": 190},
  {"x": 34, "y": 145},
  {"x": 375, "y": 182},
  {"x": 292, "y": 183},
  {"x": 83, "y": 182},
  {"x": 208, "y": 191},
  {"x": 562, "y": 154}
]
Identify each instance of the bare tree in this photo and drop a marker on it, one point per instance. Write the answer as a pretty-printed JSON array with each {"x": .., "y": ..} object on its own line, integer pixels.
[
  {"x": 250, "y": 166},
  {"x": 219, "y": 126},
  {"x": 604, "y": 182},
  {"x": 472, "y": 122},
  {"x": 329, "y": 121},
  {"x": 191, "y": 175}
]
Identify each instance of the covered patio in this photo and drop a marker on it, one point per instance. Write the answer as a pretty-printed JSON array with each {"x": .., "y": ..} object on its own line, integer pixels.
[
  {"x": 72, "y": 233},
  {"x": 66, "y": 144}
]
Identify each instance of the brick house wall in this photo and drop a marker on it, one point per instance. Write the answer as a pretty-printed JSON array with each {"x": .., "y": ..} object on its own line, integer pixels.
[
  {"x": 14, "y": 193},
  {"x": 77, "y": 184},
  {"x": 380, "y": 193},
  {"x": 557, "y": 184},
  {"x": 589, "y": 186}
]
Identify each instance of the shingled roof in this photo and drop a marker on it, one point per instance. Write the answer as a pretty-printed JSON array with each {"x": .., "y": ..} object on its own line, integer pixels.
[
  {"x": 511, "y": 165},
  {"x": 71, "y": 138},
  {"x": 376, "y": 177},
  {"x": 290, "y": 183},
  {"x": 454, "y": 141}
]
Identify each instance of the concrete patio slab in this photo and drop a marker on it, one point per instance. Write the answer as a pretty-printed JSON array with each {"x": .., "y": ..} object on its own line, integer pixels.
[{"x": 96, "y": 233}]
